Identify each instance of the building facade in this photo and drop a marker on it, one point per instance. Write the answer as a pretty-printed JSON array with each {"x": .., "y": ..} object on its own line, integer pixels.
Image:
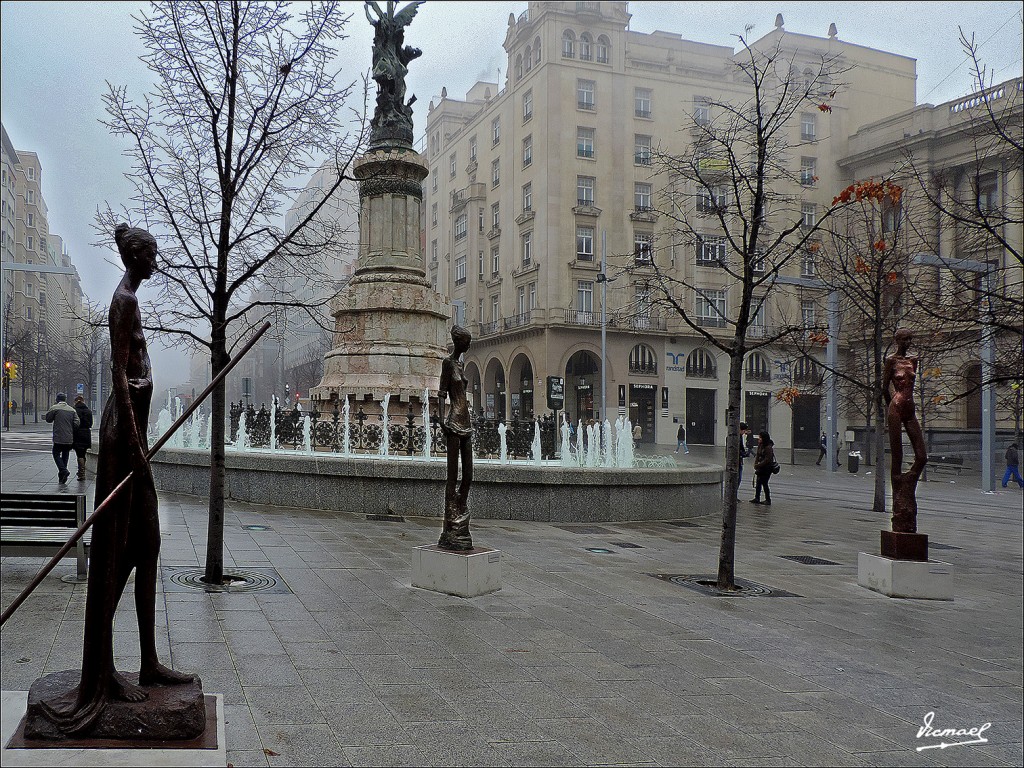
[{"x": 528, "y": 181}]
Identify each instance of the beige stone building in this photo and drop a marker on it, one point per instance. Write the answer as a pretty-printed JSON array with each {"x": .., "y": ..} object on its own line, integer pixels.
[{"x": 526, "y": 179}]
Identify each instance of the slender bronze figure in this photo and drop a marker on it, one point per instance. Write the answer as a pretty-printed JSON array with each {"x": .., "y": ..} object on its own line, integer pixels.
[
  {"x": 458, "y": 431},
  {"x": 898, "y": 379},
  {"x": 128, "y": 535}
]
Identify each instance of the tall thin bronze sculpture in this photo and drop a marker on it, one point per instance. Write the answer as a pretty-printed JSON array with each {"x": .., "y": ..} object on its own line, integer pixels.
[{"x": 458, "y": 430}]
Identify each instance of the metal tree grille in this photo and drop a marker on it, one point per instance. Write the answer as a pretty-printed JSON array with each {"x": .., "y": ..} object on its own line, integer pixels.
[{"x": 808, "y": 560}]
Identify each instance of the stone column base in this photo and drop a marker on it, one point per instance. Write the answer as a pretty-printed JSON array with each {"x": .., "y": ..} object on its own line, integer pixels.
[
  {"x": 931, "y": 580},
  {"x": 905, "y": 546},
  {"x": 466, "y": 574}
]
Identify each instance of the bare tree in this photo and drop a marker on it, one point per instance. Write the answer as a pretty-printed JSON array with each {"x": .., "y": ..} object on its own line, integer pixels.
[
  {"x": 737, "y": 172},
  {"x": 245, "y": 106}
]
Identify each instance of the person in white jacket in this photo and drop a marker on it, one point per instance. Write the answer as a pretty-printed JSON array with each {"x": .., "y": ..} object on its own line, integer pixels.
[{"x": 65, "y": 420}]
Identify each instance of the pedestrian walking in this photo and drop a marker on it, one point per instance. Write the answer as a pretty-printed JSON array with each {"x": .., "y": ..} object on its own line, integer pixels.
[
  {"x": 83, "y": 434},
  {"x": 764, "y": 467},
  {"x": 824, "y": 449},
  {"x": 64, "y": 419},
  {"x": 637, "y": 434},
  {"x": 681, "y": 439},
  {"x": 1012, "y": 466}
]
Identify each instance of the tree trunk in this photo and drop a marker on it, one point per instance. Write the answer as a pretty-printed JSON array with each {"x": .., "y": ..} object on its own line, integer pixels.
[
  {"x": 215, "y": 530},
  {"x": 880, "y": 436},
  {"x": 727, "y": 549}
]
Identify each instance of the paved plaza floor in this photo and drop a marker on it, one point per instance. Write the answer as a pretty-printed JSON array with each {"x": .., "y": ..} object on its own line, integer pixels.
[{"x": 584, "y": 657}]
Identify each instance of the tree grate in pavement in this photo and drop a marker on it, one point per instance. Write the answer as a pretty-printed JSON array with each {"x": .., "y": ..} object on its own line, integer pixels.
[
  {"x": 386, "y": 518},
  {"x": 937, "y": 545},
  {"x": 707, "y": 584},
  {"x": 184, "y": 578},
  {"x": 808, "y": 560},
  {"x": 588, "y": 529}
]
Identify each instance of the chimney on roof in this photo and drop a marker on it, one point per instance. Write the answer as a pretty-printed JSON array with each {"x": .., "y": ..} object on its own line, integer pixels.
[
  {"x": 778, "y": 21},
  {"x": 832, "y": 31}
]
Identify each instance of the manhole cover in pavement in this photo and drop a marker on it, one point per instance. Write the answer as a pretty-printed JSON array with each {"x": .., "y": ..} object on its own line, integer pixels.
[
  {"x": 599, "y": 550},
  {"x": 936, "y": 545},
  {"x": 590, "y": 529},
  {"x": 189, "y": 578},
  {"x": 626, "y": 545},
  {"x": 257, "y": 528},
  {"x": 386, "y": 518},
  {"x": 707, "y": 584},
  {"x": 808, "y": 560}
]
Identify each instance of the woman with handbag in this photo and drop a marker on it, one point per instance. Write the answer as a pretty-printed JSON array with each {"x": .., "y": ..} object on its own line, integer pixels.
[{"x": 764, "y": 467}]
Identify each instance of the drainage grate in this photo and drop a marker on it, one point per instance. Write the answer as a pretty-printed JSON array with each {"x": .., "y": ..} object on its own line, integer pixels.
[
  {"x": 386, "y": 518},
  {"x": 808, "y": 560},
  {"x": 626, "y": 545},
  {"x": 936, "y": 545},
  {"x": 599, "y": 550},
  {"x": 819, "y": 543},
  {"x": 257, "y": 528},
  {"x": 188, "y": 578},
  {"x": 588, "y": 529},
  {"x": 681, "y": 524},
  {"x": 706, "y": 584}
]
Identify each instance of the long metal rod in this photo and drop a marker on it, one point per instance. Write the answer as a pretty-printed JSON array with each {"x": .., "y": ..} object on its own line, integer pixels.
[{"x": 106, "y": 502}]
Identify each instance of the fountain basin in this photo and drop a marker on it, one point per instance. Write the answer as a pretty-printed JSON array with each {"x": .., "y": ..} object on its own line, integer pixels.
[{"x": 415, "y": 486}]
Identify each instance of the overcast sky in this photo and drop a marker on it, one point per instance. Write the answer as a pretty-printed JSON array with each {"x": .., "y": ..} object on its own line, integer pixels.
[{"x": 57, "y": 56}]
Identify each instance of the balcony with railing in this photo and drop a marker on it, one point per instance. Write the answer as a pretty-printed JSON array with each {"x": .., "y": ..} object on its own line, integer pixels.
[
  {"x": 581, "y": 317},
  {"x": 489, "y": 329},
  {"x": 521, "y": 320}
]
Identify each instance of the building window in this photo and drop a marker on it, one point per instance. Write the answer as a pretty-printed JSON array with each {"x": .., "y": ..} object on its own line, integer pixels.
[
  {"x": 472, "y": 149},
  {"x": 495, "y": 261},
  {"x": 31, "y": 172},
  {"x": 433, "y": 215},
  {"x": 531, "y": 292},
  {"x": 433, "y": 251},
  {"x": 527, "y": 197},
  {"x": 480, "y": 219},
  {"x": 602, "y": 49},
  {"x": 711, "y": 308},
  {"x": 30, "y": 196},
  {"x": 711, "y": 199},
  {"x": 642, "y": 102},
  {"x": 568, "y": 44},
  {"x": 641, "y": 150},
  {"x": 495, "y": 310},
  {"x": 756, "y": 329},
  {"x": 808, "y": 215},
  {"x": 453, "y": 166},
  {"x": 495, "y": 131},
  {"x": 460, "y": 270},
  {"x": 711, "y": 251},
  {"x": 30, "y": 219},
  {"x": 807, "y": 313},
  {"x": 757, "y": 263},
  {"x": 496, "y": 216},
  {"x": 519, "y": 67},
  {"x": 701, "y": 364},
  {"x": 585, "y": 295},
  {"x": 757, "y": 368},
  {"x": 527, "y": 241},
  {"x": 808, "y": 267},
  {"x": 527, "y": 151},
  {"x": 30, "y": 243},
  {"x": 28, "y": 313},
  {"x": 30, "y": 290},
  {"x": 642, "y": 247},
  {"x": 806, "y": 372},
  {"x": 528, "y": 59},
  {"x": 495, "y": 173},
  {"x": 585, "y": 190},
  {"x": 643, "y": 361},
  {"x": 642, "y": 196},
  {"x": 808, "y": 171},
  {"x": 701, "y": 110},
  {"x": 461, "y": 224},
  {"x": 480, "y": 265},
  {"x": 536, "y": 50},
  {"x": 585, "y": 94},
  {"x": 586, "y": 52},
  {"x": 527, "y": 105},
  {"x": 521, "y": 300},
  {"x": 988, "y": 188},
  {"x": 433, "y": 180},
  {"x": 808, "y": 126},
  {"x": 585, "y": 243},
  {"x": 584, "y": 142}
]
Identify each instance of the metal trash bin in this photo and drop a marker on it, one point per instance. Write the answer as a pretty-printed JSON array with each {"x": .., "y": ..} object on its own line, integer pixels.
[{"x": 853, "y": 461}]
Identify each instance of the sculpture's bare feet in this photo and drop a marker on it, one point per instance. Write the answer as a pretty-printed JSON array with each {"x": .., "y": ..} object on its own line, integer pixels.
[
  {"x": 158, "y": 674},
  {"x": 122, "y": 689}
]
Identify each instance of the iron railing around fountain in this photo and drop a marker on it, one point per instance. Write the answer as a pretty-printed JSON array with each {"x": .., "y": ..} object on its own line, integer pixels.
[{"x": 406, "y": 435}]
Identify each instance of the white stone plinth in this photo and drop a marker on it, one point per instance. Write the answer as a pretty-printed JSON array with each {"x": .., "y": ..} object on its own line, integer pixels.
[
  {"x": 12, "y": 710},
  {"x": 466, "y": 574},
  {"x": 932, "y": 580}
]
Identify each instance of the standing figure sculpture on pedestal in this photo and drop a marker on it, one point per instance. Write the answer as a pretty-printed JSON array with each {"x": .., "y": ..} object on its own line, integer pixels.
[
  {"x": 458, "y": 431},
  {"x": 898, "y": 379},
  {"x": 127, "y": 535}
]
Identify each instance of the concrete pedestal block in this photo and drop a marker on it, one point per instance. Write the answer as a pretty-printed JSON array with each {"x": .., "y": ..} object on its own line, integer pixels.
[
  {"x": 931, "y": 580},
  {"x": 466, "y": 574}
]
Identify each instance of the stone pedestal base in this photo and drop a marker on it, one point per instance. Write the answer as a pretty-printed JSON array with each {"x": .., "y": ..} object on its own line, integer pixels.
[
  {"x": 170, "y": 712},
  {"x": 466, "y": 574},
  {"x": 931, "y": 580},
  {"x": 905, "y": 546}
]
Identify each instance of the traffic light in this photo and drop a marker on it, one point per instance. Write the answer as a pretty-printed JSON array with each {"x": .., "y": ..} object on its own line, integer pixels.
[
  {"x": 13, "y": 370},
  {"x": 10, "y": 371}
]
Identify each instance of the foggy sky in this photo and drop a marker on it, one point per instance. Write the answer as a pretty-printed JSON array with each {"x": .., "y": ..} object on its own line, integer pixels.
[{"x": 57, "y": 57}]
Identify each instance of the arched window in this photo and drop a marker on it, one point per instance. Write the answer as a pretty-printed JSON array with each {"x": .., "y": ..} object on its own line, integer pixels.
[
  {"x": 700, "y": 364},
  {"x": 585, "y": 47},
  {"x": 519, "y": 67},
  {"x": 643, "y": 361},
  {"x": 758, "y": 368},
  {"x": 806, "y": 372},
  {"x": 528, "y": 59},
  {"x": 568, "y": 44},
  {"x": 536, "y": 50},
  {"x": 602, "y": 49}
]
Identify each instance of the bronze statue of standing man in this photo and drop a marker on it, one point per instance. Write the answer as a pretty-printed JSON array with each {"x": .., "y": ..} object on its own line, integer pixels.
[
  {"x": 898, "y": 379},
  {"x": 458, "y": 430}
]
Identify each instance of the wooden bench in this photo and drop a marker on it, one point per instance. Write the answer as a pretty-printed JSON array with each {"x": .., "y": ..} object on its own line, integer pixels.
[
  {"x": 41, "y": 523},
  {"x": 945, "y": 464}
]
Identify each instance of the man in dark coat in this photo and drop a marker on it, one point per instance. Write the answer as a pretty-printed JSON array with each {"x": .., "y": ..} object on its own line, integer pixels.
[
  {"x": 64, "y": 419},
  {"x": 83, "y": 433}
]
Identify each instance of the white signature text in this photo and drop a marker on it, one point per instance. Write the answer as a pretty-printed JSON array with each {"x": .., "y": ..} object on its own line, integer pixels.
[{"x": 928, "y": 732}]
